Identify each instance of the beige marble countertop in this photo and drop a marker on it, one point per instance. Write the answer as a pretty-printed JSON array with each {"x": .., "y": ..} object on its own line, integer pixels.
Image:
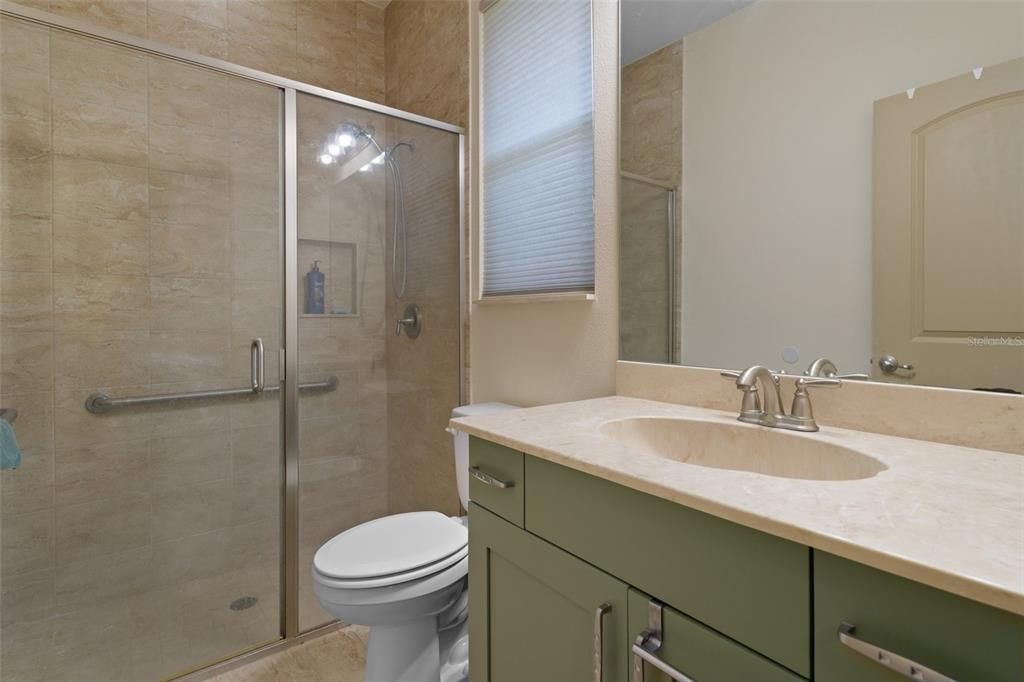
[{"x": 947, "y": 516}]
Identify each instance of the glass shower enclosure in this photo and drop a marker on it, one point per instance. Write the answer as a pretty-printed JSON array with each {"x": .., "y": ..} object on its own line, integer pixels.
[{"x": 201, "y": 270}]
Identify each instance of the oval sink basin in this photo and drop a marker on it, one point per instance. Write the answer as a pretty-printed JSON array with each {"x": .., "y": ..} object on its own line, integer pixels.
[{"x": 771, "y": 452}]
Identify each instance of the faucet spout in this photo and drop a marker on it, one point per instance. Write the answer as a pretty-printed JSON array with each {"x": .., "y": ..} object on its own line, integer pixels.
[{"x": 772, "y": 400}]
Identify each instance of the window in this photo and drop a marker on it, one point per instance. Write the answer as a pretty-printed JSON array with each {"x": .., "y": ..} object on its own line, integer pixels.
[{"x": 537, "y": 147}]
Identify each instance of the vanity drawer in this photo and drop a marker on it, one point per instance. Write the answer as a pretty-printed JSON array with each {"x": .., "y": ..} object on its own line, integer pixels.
[
  {"x": 954, "y": 636},
  {"x": 695, "y": 562},
  {"x": 698, "y": 651},
  {"x": 496, "y": 479}
]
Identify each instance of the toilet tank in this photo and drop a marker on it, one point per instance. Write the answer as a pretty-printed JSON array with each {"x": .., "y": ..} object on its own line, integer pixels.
[{"x": 462, "y": 443}]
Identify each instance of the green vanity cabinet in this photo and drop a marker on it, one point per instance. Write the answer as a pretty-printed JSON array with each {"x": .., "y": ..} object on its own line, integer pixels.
[
  {"x": 553, "y": 544},
  {"x": 698, "y": 651},
  {"x": 954, "y": 636},
  {"x": 538, "y": 614}
]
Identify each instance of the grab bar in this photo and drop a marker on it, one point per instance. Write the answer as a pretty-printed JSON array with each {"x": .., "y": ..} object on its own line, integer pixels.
[
  {"x": 8, "y": 414},
  {"x": 97, "y": 403}
]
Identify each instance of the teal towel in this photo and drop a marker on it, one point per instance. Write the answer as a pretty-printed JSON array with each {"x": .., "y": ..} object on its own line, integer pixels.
[{"x": 10, "y": 455}]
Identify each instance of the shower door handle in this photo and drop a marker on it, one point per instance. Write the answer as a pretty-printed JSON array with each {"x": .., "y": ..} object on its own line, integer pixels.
[{"x": 257, "y": 368}]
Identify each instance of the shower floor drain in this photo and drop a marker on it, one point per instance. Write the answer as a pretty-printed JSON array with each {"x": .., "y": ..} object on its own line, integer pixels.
[{"x": 243, "y": 603}]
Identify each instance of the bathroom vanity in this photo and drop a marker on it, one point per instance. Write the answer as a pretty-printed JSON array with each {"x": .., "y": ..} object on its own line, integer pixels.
[{"x": 616, "y": 538}]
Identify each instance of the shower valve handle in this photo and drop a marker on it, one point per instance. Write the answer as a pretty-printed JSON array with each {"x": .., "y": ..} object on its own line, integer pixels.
[{"x": 411, "y": 321}]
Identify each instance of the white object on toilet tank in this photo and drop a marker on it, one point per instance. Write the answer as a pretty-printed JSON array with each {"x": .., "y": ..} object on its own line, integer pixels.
[{"x": 461, "y": 442}]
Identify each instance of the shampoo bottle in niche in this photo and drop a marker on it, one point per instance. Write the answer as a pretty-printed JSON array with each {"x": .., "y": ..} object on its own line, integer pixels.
[{"x": 315, "y": 290}]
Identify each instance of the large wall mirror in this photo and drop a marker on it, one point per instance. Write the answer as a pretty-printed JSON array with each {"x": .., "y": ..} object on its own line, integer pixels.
[{"x": 838, "y": 179}]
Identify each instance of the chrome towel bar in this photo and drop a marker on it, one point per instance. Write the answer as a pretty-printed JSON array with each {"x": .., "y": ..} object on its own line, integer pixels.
[{"x": 97, "y": 403}]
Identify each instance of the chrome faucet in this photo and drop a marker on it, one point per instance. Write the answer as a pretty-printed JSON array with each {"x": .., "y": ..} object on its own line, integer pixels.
[{"x": 770, "y": 411}]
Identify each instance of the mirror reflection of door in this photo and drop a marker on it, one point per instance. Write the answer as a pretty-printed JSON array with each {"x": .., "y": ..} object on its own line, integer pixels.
[{"x": 949, "y": 222}]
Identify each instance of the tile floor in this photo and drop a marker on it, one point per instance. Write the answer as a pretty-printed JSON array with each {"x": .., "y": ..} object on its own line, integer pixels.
[{"x": 338, "y": 656}]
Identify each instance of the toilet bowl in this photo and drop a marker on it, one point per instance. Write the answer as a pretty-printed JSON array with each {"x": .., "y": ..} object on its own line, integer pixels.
[{"x": 405, "y": 576}]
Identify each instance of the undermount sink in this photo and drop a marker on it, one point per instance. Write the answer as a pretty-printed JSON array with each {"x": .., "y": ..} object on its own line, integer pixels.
[{"x": 742, "y": 448}]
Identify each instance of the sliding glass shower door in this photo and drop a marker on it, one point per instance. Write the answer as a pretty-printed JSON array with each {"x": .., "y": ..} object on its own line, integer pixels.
[{"x": 142, "y": 255}]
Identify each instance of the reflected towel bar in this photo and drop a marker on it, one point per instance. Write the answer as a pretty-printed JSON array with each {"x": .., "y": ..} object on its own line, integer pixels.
[{"x": 98, "y": 403}]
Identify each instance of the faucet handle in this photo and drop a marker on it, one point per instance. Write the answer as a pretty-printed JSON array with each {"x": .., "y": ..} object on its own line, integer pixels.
[{"x": 801, "y": 409}]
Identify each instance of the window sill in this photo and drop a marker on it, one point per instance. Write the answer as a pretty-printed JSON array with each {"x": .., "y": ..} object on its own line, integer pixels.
[{"x": 554, "y": 297}]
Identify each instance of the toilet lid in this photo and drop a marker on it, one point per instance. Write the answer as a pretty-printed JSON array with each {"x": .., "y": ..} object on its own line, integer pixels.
[{"x": 389, "y": 545}]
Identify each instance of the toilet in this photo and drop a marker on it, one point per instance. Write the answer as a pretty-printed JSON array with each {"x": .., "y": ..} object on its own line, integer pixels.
[{"x": 404, "y": 576}]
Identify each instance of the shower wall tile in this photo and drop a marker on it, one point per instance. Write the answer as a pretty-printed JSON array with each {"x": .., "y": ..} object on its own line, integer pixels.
[
  {"x": 186, "y": 96},
  {"x": 102, "y": 527},
  {"x": 127, "y": 16},
  {"x": 90, "y": 302},
  {"x": 98, "y": 580},
  {"x": 99, "y": 132},
  {"x": 189, "y": 149},
  {"x": 26, "y": 185},
  {"x": 82, "y": 69},
  {"x": 93, "y": 189},
  {"x": 190, "y": 251},
  {"x": 29, "y": 596},
  {"x": 26, "y": 543},
  {"x": 100, "y": 246},
  {"x": 186, "y": 32},
  {"x": 96, "y": 473},
  {"x": 29, "y": 488},
  {"x": 185, "y": 511},
  {"x": 263, "y": 34},
  {"x": 26, "y": 242},
  {"x": 189, "y": 304},
  {"x": 185, "y": 199},
  {"x": 26, "y": 302},
  {"x": 189, "y": 459},
  {"x": 26, "y": 361}
]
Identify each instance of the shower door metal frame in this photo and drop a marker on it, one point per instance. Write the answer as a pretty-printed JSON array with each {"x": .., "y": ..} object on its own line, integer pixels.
[
  {"x": 673, "y": 255},
  {"x": 288, "y": 125}
]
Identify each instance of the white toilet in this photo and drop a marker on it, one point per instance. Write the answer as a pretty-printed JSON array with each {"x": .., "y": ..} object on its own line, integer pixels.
[{"x": 405, "y": 577}]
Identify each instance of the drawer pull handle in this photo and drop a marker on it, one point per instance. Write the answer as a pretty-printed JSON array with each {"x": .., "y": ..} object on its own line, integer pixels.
[
  {"x": 898, "y": 664},
  {"x": 599, "y": 614},
  {"x": 485, "y": 477},
  {"x": 647, "y": 644}
]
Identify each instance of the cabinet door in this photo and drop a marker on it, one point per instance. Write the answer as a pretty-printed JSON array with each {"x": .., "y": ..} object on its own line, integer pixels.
[{"x": 535, "y": 611}]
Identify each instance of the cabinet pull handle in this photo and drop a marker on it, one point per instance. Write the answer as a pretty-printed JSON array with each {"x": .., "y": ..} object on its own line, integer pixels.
[
  {"x": 898, "y": 664},
  {"x": 647, "y": 644},
  {"x": 599, "y": 614},
  {"x": 485, "y": 477}
]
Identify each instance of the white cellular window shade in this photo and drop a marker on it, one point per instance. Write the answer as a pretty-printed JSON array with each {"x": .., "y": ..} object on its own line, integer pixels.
[{"x": 537, "y": 147}]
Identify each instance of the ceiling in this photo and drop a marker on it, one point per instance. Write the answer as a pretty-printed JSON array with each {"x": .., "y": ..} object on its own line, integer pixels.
[{"x": 648, "y": 25}]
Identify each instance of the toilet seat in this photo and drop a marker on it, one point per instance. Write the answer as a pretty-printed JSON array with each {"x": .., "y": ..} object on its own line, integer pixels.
[{"x": 391, "y": 550}]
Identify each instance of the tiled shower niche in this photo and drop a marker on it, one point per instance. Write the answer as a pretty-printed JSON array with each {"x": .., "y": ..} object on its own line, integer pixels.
[{"x": 339, "y": 263}]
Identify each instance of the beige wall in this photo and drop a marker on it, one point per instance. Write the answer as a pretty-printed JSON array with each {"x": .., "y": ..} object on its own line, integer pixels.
[
  {"x": 777, "y": 138},
  {"x": 427, "y": 61},
  {"x": 543, "y": 352},
  {"x": 336, "y": 44}
]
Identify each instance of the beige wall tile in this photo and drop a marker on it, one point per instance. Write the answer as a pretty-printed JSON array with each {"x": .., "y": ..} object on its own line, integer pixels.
[
  {"x": 256, "y": 255},
  {"x": 26, "y": 361},
  {"x": 22, "y": 137},
  {"x": 186, "y": 96},
  {"x": 85, "y": 70},
  {"x": 256, "y": 449},
  {"x": 27, "y": 597},
  {"x": 27, "y": 543},
  {"x": 27, "y": 302},
  {"x": 99, "y": 579},
  {"x": 93, "y": 189},
  {"x": 185, "y": 32},
  {"x": 262, "y": 34},
  {"x": 256, "y": 496},
  {"x": 29, "y": 488},
  {"x": 26, "y": 185},
  {"x": 100, "y": 246},
  {"x": 26, "y": 243},
  {"x": 128, "y": 16},
  {"x": 189, "y": 357},
  {"x": 99, "y": 473},
  {"x": 35, "y": 421},
  {"x": 99, "y": 132},
  {"x": 189, "y": 459},
  {"x": 102, "y": 527},
  {"x": 190, "y": 250},
  {"x": 190, "y": 149},
  {"x": 91, "y": 302},
  {"x": 185, "y": 199},
  {"x": 189, "y": 304},
  {"x": 192, "y": 557},
  {"x": 185, "y": 511},
  {"x": 99, "y": 359}
]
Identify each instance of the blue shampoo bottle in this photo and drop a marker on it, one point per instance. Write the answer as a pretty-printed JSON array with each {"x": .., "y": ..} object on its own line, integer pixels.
[{"x": 315, "y": 290}]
